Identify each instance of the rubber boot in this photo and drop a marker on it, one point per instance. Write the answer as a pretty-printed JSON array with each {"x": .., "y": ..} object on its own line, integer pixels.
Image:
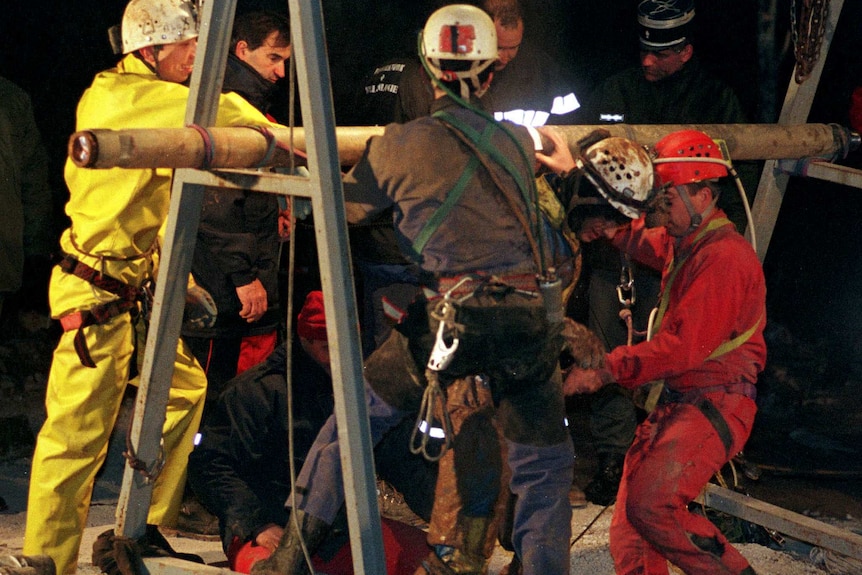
[
  {"x": 288, "y": 558},
  {"x": 469, "y": 559},
  {"x": 602, "y": 489}
]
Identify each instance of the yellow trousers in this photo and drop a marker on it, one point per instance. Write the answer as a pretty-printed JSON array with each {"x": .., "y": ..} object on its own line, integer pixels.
[{"x": 82, "y": 406}]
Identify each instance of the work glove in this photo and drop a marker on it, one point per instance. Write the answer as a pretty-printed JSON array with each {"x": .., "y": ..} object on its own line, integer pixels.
[
  {"x": 658, "y": 210},
  {"x": 27, "y": 565},
  {"x": 201, "y": 310},
  {"x": 118, "y": 555},
  {"x": 579, "y": 380},
  {"x": 585, "y": 348}
]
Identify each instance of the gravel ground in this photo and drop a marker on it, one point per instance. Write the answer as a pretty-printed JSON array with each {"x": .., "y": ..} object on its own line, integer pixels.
[
  {"x": 590, "y": 554},
  {"x": 24, "y": 359}
]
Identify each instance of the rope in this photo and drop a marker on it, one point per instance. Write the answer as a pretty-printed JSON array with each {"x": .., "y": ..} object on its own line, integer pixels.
[
  {"x": 149, "y": 474},
  {"x": 589, "y": 526},
  {"x": 209, "y": 149},
  {"x": 271, "y": 145},
  {"x": 807, "y": 31}
]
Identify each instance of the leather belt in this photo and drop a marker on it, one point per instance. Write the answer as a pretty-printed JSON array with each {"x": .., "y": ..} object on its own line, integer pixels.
[
  {"x": 101, "y": 313},
  {"x": 471, "y": 283}
]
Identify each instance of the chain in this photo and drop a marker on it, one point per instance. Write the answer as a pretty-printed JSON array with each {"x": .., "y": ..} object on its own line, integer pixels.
[{"x": 807, "y": 31}]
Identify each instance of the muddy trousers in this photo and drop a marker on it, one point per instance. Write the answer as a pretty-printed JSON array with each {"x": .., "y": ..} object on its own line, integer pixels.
[
  {"x": 675, "y": 453},
  {"x": 82, "y": 407},
  {"x": 541, "y": 479}
]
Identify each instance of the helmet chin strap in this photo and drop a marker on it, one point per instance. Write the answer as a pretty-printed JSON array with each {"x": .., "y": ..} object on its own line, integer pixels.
[
  {"x": 696, "y": 218},
  {"x": 154, "y": 67}
]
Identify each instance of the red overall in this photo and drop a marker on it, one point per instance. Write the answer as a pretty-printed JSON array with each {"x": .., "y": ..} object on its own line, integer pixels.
[{"x": 709, "y": 346}]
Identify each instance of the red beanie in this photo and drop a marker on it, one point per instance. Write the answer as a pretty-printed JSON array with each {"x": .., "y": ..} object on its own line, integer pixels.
[{"x": 311, "y": 323}]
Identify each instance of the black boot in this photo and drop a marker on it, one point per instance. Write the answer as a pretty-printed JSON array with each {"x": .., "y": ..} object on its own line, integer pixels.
[
  {"x": 288, "y": 558},
  {"x": 602, "y": 489}
]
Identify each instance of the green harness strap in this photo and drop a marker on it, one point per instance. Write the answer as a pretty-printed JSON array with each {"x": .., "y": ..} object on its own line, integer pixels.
[
  {"x": 482, "y": 141},
  {"x": 676, "y": 266},
  {"x": 726, "y": 347},
  {"x": 451, "y": 199},
  {"x": 495, "y": 154}
]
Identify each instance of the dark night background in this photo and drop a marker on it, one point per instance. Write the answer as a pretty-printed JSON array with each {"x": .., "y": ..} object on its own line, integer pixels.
[{"x": 54, "y": 47}]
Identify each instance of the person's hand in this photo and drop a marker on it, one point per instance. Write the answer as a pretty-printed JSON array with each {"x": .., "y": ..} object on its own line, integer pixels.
[
  {"x": 253, "y": 299},
  {"x": 559, "y": 157},
  {"x": 585, "y": 380},
  {"x": 284, "y": 224},
  {"x": 269, "y": 536},
  {"x": 596, "y": 227}
]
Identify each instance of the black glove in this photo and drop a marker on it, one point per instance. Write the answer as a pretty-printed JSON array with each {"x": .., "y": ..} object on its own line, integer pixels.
[
  {"x": 117, "y": 555},
  {"x": 593, "y": 137}
]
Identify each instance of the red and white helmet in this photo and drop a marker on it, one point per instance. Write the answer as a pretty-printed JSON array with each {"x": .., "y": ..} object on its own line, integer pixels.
[
  {"x": 687, "y": 157},
  {"x": 459, "y": 42},
  {"x": 155, "y": 22}
]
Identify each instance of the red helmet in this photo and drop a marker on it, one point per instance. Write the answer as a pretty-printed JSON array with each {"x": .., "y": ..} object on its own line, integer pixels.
[{"x": 687, "y": 144}]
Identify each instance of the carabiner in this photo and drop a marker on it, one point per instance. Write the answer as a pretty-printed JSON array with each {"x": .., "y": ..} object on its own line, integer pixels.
[{"x": 442, "y": 354}]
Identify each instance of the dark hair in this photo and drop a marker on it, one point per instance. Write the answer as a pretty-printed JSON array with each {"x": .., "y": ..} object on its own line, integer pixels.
[
  {"x": 254, "y": 27},
  {"x": 507, "y": 12},
  {"x": 692, "y": 188}
]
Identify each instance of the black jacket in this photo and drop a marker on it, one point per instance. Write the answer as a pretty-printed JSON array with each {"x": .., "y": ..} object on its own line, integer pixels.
[
  {"x": 238, "y": 235},
  {"x": 240, "y": 471}
]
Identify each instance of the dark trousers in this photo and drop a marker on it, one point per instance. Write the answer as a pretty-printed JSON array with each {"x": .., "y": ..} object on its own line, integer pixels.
[{"x": 613, "y": 415}]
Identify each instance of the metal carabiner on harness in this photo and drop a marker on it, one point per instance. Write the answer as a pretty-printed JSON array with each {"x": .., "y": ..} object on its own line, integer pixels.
[
  {"x": 626, "y": 287},
  {"x": 442, "y": 354},
  {"x": 441, "y": 357}
]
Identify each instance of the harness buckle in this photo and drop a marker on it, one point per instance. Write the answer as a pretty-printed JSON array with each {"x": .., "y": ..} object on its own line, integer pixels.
[{"x": 626, "y": 288}]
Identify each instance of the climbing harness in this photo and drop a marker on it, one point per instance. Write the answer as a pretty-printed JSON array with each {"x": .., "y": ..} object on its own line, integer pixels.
[
  {"x": 134, "y": 300},
  {"x": 655, "y": 394}
]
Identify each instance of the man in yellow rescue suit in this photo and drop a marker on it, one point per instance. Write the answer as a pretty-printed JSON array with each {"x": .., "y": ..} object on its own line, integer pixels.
[{"x": 96, "y": 291}]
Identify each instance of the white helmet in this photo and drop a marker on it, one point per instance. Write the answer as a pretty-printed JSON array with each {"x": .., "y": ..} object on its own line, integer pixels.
[
  {"x": 460, "y": 33},
  {"x": 622, "y": 172},
  {"x": 154, "y": 22}
]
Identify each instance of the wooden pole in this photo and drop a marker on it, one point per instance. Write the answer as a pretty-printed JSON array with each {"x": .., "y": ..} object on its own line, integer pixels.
[{"x": 249, "y": 147}]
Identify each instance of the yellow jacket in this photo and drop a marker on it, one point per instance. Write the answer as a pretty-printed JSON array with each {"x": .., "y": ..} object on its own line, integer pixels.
[{"x": 117, "y": 213}]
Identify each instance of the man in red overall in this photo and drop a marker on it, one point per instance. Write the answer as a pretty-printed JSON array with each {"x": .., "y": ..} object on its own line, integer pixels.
[{"x": 707, "y": 346}]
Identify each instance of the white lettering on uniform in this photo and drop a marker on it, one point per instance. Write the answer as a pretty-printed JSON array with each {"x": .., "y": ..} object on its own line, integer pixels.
[{"x": 612, "y": 117}]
